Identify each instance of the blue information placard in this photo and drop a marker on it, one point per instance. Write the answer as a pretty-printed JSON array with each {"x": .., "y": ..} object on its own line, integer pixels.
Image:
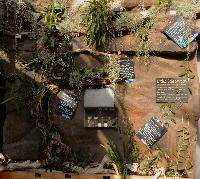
[
  {"x": 126, "y": 70},
  {"x": 180, "y": 32},
  {"x": 67, "y": 104}
]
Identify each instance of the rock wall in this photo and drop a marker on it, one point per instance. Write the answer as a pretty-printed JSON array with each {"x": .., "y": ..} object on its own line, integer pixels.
[
  {"x": 21, "y": 140},
  {"x": 135, "y": 102},
  {"x": 2, "y": 106}
]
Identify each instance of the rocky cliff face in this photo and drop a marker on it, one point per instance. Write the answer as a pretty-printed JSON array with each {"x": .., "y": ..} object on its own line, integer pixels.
[{"x": 135, "y": 102}]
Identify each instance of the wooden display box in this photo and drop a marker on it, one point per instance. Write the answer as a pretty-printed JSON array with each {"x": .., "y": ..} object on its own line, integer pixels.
[
  {"x": 99, "y": 108},
  {"x": 58, "y": 175}
]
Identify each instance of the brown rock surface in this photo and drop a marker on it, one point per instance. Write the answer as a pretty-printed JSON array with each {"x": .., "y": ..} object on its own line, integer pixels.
[
  {"x": 21, "y": 140},
  {"x": 159, "y": 43},
  {"x": 139, "y": 102},
  {"x": 135, "y": 102},
  {"x": 27, "y": 148},
  {"x": 87, "y": 140},
  {"x": 15, "y": 127},
  {"x": 25, "y": 45},
  {"x": 197, "y": 23},
  {"x": 130, "y": 4},
  {"x": 88, "y": 60}
]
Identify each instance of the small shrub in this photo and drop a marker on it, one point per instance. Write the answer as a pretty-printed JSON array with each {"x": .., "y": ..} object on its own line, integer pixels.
[{"x": 99, "y": 23}]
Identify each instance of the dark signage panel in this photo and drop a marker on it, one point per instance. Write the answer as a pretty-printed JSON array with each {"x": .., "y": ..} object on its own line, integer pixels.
[
  {"x": 151, "y": 132},
  {"x": 67, "y": 105},
  {"x": 126, "y": 70},
  {"x": 172, "y": 90},
  {"x": 180, "y": 32}
]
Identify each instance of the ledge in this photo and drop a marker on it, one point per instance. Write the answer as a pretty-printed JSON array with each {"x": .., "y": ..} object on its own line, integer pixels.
[
  {"x": 159, "y": 43},
  {"x": 60, "y": 175}
]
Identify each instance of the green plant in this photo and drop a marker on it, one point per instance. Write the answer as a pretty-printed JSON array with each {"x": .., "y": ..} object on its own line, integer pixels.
[
  {"x": 183, "y": 144},
  {"x": 187, "y": 72},
  {"x": 82, "y": 160},
  {"x": 182, "y": 162},
  {"x": 68, "y": 169},
  {"x": 150, "y": 161},
  {"x": 72, "y": 21},
  {"x": 84, "y": 76},
  {"x": 54, "y": 15},
  {"x": 142, "y": 31},
  {"x": 186, "y": 9},
  {"x": 115, "y": 156},
  {"x": 49, "y": 31},
  {"x": 98, "y": 20},
  {"x": 125, "y": 22},
  {"x": 49, "y": 40},
  {"x": 119, "y": 160},
  {"x": 165, "y": 3},
  {"x": 19, "y": 14},
  {"x": 167, "y": 111},
  {"x": 148, "y": 164}
]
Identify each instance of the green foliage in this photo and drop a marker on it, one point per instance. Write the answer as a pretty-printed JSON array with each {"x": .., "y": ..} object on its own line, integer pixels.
[
  {"x": 168, "y": 112},
  {"x": 148, "y": 164},
  {"x": 130, "y": 148},
  {"x": 183, "y": 146},
  {"x": 78, "y": 78},
  {"x": 83, "y": 76},
  {"x": 114, "y": 155},
  {"x": 35, "y": 100},
  {"x": 18, "y": 16},
  {"x": 82, "y": 160},
  {"x": 67, "y": 169},
  {"x": 125, "y": 22},
  {"x": 142, "y": 31},
  {"x": 183, "y": 139},
  {"x": 186, "y": 8},
  {"x": 186, "y": 72},
  {"x": 49, "y": 32},
  {"x": 130, "y": 153},
  {"x": 169, "y": 106},
  {"x": 53, "y": 16},
  {"x": 150, "y": 161},
  {"x": 98, "y": 20},
  {"x": 165, "y": 3},
  {"x": 51, "y": 65},
  {"x": 56, "y": 152}
]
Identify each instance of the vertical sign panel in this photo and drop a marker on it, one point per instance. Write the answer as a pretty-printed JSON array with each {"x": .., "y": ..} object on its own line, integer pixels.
[{"x": 126, "y": 70}]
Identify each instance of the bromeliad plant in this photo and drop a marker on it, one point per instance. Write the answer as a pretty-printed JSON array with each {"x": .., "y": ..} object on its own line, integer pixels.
[
  {"x": 99, "y": 23},
  {"x": 120, "y": 160}
]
